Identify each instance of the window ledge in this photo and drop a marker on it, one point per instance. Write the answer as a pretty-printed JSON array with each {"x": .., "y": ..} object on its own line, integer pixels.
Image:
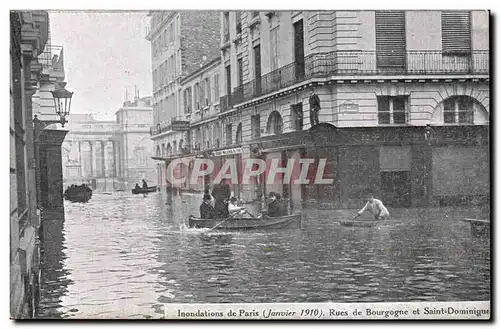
[
  {"x": 254, "y": 22},
  {"x": 237, "y": 38}
]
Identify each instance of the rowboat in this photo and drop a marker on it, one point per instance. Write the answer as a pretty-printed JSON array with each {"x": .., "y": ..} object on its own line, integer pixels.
[
  {"x": 359, "y": 223},
  {"x": 78, "y": 194},
  {"x": 478, "y": 226},
  {"x": 143, "y": 191},
  {"x": 265, "y": 223}
]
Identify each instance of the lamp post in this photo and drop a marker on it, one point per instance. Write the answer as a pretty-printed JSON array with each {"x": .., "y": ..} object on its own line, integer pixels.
[{"x": 62, "y": 103}]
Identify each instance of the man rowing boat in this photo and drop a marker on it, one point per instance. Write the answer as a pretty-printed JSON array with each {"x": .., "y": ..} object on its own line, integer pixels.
[{"x": 376, "y": 207}]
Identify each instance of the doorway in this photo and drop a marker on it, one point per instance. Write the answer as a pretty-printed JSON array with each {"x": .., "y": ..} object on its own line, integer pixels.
[{"x": 396, "y": 188}]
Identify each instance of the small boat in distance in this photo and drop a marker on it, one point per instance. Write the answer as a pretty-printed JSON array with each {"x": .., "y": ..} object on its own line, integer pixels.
[
  {"x": 359, "y": 223},
  {"x": 141, "y": 190},
  {"x": 265, "y": 223},
  {"x": 81, "y": 194}
]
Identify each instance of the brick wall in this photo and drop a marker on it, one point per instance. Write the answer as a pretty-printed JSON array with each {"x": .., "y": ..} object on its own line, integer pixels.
[{"x": 200, "y": 36}]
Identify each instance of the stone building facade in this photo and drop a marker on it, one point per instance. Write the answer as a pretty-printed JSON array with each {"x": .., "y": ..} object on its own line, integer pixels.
[
  {"x": 404, "y": 97},
  {"x": 382, "y": 78},
  {"x": 110, "y": 154},
  {"x": 35, "y": 154},
  {"x": 182, "y": 42}
]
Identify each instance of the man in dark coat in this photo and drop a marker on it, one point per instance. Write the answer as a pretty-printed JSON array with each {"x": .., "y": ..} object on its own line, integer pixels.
[
  {"x": 314, "y": 106},
  {"x": 282, "y": 210},
  {"x": 206, "y": 209},
  {"x": 221, "y": 193},
  {"x": 273, "y": 208}
]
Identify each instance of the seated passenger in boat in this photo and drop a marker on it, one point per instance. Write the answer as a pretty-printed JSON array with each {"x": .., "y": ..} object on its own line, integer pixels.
[
  {"x": 273, "y": 207},
  {"x": 206, "y": 209},
  {"x": 144, "y": 184},
  {"x": 235, "y": 211},
  {"x": 282, "y": 211},
  {"x": 376, "y": 207},
  {"x": 137, "y": 187},
  {"x": 221, "y": 210}
]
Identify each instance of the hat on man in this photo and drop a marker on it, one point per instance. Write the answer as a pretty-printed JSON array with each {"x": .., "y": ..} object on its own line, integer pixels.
[
  {"x": 233, "y": 199},
  {"x": 207, "y": 197}
]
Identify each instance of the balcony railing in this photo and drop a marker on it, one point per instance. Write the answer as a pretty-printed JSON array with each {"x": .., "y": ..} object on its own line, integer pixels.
[
  {"x": 163, "y": 127},
  {"x": 359, "y": 63},
  {"x": 49, "y": 60}
]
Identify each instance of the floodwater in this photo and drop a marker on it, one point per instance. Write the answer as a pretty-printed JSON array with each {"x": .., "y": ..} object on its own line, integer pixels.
[{"x": 123, "y": 255}]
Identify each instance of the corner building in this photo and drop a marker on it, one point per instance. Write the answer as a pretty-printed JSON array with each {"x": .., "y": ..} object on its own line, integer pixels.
[
  {"x": 181, "y": 43},
  {"x": 404, "y": 101}
]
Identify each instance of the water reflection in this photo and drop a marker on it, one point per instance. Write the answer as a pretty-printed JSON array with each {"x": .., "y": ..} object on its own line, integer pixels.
[{"x": 124, "y": 255}]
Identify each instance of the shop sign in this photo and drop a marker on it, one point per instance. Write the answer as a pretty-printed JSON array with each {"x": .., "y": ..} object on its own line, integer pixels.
[
  {"x": 180, "y": 125},
  {"x": 236, "y": 150}
]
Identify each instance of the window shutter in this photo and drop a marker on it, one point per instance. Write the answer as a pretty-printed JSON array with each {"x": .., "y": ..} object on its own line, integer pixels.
[
  {"x": 456, "y": 32},
  {"x": 390, "y": 34}
]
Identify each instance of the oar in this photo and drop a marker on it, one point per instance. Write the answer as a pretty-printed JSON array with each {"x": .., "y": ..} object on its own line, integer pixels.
[
  {"x": 250, "y": 214},
  {"x": 230, "y": 217},
  {"x": 356, "y": 216}
]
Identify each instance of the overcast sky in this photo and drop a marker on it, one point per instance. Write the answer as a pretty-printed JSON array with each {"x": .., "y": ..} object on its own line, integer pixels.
[{"x": 104, "y": 53}]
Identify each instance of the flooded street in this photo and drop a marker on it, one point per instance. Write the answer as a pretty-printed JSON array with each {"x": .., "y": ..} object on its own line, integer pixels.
[{"x": 123, "y": 255}]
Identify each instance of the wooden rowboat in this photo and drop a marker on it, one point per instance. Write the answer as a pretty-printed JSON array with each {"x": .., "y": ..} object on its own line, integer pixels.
[
  {"x": 478, "y": 227},
  {"x": 143, "y": 191},
  {"x": 266, "y": 223},
  {"x": 359, "y": 223}
]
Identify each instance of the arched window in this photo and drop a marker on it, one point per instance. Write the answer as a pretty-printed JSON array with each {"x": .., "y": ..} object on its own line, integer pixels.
[
  {"x": 460, "y": 110},
  {"x": 181, "y": 145},
  {"x": 169, "y": 150},
  {"x": 174, "y": 147},
  {"x": 158, "y": 151},
  {"x": 239, "y": 134},
  {"x": 163, "y": 150},
  {"x": 274, "y": 123}
]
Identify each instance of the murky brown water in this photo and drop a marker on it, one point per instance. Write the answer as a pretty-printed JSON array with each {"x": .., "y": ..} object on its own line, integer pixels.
[{"x": 121, "y": 256}]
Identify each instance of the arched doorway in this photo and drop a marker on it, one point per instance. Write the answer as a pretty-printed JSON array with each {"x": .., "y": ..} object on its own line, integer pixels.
[{"x": 274, "y": 123}]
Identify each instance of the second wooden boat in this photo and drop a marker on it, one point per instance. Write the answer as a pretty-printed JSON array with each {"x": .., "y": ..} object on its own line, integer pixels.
[{"x": 266, "y": 223}]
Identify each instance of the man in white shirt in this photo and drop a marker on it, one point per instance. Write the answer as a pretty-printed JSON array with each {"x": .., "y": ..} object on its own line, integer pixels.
[
  {"x": 234, "y": 210},
  {"x": 376, "y": 207}
]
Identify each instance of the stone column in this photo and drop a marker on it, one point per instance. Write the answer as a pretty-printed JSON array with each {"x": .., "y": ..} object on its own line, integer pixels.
[
  {"x": 80, "y": 158},
  {"x": 91, "y": 154},
  {"x": 113, "y": 145},
  {"x": 103, "y": 158}
]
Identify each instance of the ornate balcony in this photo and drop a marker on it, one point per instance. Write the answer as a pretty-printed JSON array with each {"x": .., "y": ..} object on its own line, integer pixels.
[{"x": 360, "y": 64}]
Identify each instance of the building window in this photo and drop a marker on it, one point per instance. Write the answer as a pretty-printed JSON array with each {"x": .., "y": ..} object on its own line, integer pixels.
[
  {"x": 208, "y": 94},
  {"x": 187, "y": 100},
  {"x": 226, "y": 26},
  {"x": 240, "y": 71},
  {"x": 392, "y": 109},
  {"x": 255, "y": 126},
  {"x": 216, "y": 86},
  {"x": 456, "y": 32},
  {"x": 459, "y": 109},
  {"x": 390, "y": 39},
  {"x": 229, "y": 134},
  {"x": 239, "y": 134},
  {"x": 274, "y": 47},
  {"x": 196, "y": 96},
  {"x": 238, "y": 22},
  {"x": 298, "y": 116}
]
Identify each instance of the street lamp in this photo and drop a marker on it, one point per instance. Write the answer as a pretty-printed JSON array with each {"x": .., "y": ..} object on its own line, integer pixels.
[{"x": 62, "y": 102}]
